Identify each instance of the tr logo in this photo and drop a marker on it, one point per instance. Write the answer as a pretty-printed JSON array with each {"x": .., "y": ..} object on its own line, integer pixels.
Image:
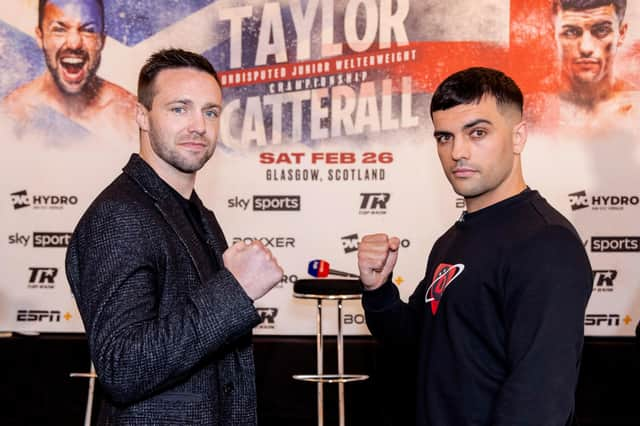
[
  {"x": 268, "y": 316},
  {"x": 374, "y": 202},
  {"x": 603, "y": 279},
  {"x": 42, "y": 275}
]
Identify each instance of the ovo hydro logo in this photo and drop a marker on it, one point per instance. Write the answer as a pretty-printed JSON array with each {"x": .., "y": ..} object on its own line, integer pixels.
[
  {"x": 22, "y": 199},
  {"x": 580, "y": 200}
]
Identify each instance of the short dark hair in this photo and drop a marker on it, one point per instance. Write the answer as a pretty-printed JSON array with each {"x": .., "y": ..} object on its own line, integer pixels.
[
  {"x": 43, "y": 3},
  {"x": 169, "y": 59},
  {"x": 469, "y": 86},
  {"x": 619, "y": 5}
]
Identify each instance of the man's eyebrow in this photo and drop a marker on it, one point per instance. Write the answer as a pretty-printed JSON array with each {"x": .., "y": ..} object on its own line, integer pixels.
[
  {"x": 211, "y": 105},
  {"x": 476, "y": 122},
  {"x": 603, "y": 23},
  {"x": 441, "y": 133}
]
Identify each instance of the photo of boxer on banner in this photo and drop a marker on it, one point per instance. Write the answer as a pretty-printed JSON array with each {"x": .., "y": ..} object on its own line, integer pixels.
[
  {"x": 588, "y": 36},
  {"x": 68, "y": 101}
]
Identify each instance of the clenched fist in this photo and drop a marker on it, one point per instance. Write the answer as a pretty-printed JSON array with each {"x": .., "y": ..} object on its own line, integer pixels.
[
  {"x": 253, "y": 266},
  {"x": 377, "y": 255}
]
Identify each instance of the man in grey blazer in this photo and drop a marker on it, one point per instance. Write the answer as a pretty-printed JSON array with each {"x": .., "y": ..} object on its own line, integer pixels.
[{"x": 167, "y": 306}]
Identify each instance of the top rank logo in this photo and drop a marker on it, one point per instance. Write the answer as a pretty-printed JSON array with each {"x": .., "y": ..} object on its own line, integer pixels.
[
  {"x": 268, "y": 317},
  {"x": 580, "y": 200},
  {"x": 374, "y": 202},
  {"x": 21, "y": 199},
  {"x": 603, "y": 280}
]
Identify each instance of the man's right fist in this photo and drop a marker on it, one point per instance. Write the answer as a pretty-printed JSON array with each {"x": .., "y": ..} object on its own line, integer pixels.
[
  {"x": 253, "y": 266},
  {"x": 377, "y": 255}
]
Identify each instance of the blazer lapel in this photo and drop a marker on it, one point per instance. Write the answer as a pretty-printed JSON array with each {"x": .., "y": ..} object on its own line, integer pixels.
[
  {"x": 176, "y": 218},
  {"x": 215, "y": 237},
  {"x": 170, "y": 209}
]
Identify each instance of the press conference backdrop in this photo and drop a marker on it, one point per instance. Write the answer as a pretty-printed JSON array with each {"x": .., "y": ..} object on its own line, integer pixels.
[{"x": 325, "y": 136}]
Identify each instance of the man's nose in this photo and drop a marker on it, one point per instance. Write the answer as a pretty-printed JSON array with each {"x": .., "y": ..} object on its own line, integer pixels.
[
  {"x": 586, "y": 44},
  {"x": 460, "y": 149},
  {"x": 74, "y": 39},
  {"x": 197, "y": 123}
]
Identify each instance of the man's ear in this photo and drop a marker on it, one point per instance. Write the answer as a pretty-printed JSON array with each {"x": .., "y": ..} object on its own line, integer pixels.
[
  {"x": 623, "y": 32},
  {"x": 142, "y": 117},
  {"x": 519, "y": 137},
  {"x": 39, "y": 36}
]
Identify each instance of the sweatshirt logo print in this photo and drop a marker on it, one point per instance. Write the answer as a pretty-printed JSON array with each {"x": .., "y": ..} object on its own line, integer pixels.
[{"x": 442, "y": 278}]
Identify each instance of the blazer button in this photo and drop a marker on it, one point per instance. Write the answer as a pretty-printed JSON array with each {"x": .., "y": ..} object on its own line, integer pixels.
[
  {"x": 227, "y": 388},
  {"x": 210, "y": 241}
]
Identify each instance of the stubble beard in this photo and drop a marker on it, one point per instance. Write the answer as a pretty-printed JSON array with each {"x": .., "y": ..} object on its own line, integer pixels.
[{"x": 173, "y": 157}]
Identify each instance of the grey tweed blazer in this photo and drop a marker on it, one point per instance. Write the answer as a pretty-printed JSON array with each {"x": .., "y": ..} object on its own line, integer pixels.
[{"x": 170, "y": 346}]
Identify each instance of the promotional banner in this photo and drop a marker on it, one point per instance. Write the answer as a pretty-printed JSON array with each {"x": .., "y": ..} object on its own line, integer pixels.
[{"x": 325, "y": 133}]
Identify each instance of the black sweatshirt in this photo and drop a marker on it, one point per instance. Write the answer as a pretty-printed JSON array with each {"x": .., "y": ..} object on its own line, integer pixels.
[{"x": 502, "y": 345}]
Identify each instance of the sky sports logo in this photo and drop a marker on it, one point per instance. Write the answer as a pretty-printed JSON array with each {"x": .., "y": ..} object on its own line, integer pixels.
[
  {"x": 273, "y": 203},
  {"x": 614, "y": 244},
  {"x": 580, "y": 200},
  {"x": 267, "y": 203},
  {"x": 41, "y": 239}
]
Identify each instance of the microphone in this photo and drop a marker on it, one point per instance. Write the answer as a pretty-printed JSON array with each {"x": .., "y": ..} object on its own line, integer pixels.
[{"x": 320, "y": 269}]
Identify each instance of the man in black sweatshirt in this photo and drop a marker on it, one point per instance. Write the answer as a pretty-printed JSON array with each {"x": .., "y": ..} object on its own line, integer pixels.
[{"x": 498, "y": 320}]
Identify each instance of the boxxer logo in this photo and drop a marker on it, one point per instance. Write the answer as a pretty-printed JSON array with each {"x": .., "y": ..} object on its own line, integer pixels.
[{"x": 269, "y": 242}]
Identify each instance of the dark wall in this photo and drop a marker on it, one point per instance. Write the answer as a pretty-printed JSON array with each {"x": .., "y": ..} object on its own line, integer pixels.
[{"x": 36, "y": 389}]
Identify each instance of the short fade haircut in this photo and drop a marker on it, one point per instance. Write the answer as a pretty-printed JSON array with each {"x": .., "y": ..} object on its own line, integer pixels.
[
  {"x": 169, "y": 59},
  {"x": 469, "y": 86},
  {"x": 43, "y": 3},
  {"x": 619, "y": 5}
]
